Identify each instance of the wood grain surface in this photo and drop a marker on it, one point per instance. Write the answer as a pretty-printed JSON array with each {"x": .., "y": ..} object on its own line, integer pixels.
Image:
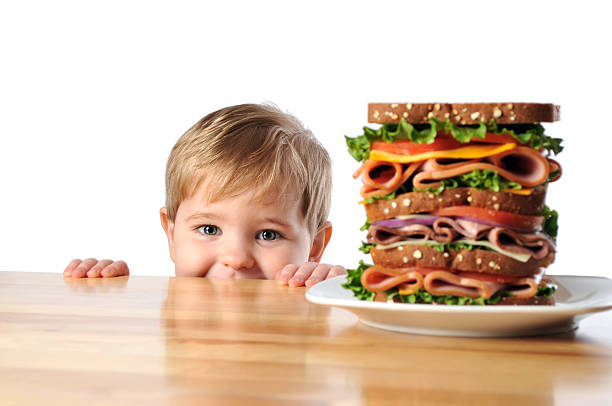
[{"x": 188, "y": 341}]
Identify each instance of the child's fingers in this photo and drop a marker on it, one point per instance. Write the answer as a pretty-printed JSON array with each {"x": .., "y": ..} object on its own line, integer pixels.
[
  {"x": 335, "y": 271},
  {"x": 323, "y": 272},
  {"x": 303, "y": 273},
  {"x": 71, "y": 265},
  {"x": 318, "y": 274},
  {"x": 117, "y": 268},
  {"x": 95, "y": 271},
  {"x": 80, "y": 271},
  {"x": 282, "y": 278}
]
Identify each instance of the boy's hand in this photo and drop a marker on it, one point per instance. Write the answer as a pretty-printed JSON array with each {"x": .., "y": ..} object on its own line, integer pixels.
[
  {"x": 307, "y": 274},
  {"x": 92, "y": 268}
]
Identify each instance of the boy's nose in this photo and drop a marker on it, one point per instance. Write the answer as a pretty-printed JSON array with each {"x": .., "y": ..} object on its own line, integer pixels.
[{"x": 237, "y": 257}]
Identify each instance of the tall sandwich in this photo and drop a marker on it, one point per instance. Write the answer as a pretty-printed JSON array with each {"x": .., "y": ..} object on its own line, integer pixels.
[{"x": 455, "y": 201}]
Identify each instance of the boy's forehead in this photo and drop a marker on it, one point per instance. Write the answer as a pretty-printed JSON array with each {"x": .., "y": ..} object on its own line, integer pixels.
[{"x": 212, "y": 189}]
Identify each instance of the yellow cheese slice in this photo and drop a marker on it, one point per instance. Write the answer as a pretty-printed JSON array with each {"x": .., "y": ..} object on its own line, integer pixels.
[
  {"x": 524, "y": 192},
  {"x": 469, "y": 152}
]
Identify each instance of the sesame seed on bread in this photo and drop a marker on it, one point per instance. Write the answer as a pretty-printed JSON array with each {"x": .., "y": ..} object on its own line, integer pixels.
[{"x": 463, "y": 113}]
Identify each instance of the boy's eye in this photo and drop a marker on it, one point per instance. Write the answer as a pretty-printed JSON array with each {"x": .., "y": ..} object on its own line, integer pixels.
[
  {"x": 268, "y": 235},
  {"x": 209, "y": 229}
]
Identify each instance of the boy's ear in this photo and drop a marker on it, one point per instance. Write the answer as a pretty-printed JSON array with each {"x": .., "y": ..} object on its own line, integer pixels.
[
  {"x": 321, "y": 240},
  {"x": 168, "y": 226}
]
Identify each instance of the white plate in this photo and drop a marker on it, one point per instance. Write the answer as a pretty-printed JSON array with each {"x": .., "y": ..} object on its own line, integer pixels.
[{"x": 576, "y": 298}]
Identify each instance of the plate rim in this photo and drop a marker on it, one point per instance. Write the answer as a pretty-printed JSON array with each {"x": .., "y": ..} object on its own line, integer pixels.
[{"x": 558, "y": 308}]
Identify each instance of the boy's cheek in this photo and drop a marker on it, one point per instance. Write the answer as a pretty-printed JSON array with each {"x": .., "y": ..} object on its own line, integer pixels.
[{"x": 189, "y": 263}]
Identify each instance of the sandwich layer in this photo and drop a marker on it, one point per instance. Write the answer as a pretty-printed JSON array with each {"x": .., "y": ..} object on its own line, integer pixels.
[
  {"x": 474, "y": 260},
  {"x": 511, "y": 301},
  {"x": 425, "y": 284},
  {"x": 426, "y": 202},
  {"x": 463, "y": 113}
]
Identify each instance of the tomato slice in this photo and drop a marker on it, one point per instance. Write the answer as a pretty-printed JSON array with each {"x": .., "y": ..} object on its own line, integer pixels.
[
  {"x": 407, "y": 147},
  {"x": 443, "y": 141},
  {"x": 513, "y": 220}
]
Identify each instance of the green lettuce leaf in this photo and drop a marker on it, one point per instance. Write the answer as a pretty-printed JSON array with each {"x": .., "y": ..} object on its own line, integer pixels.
[
  {"x": 530, "y": 134},
  {"x": 482, "y": 179},
  {"x": 423, "y": 296},
  {"x": 353, "y": 282},
  {"x": 551, "y": 218},
  {"x": 365, "y": 247},
  {"x": 477, "y": 179},
  {"x": 546, "y": 290},
  {"x": 372, "y": 199},
  {"x": 454, "y": 246}
]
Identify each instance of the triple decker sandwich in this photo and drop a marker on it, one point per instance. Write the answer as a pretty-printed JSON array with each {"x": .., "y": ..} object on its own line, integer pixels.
[{"x": 455, "y": 201}]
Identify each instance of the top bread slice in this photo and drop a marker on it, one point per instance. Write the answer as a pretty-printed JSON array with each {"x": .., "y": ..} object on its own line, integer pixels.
[{"x": 463, "y": 113}]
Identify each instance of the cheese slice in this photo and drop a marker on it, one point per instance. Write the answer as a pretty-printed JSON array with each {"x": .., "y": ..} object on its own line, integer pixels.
[
  {"x": 523, "y": 192},
  {"x": 469, "y": 152}
]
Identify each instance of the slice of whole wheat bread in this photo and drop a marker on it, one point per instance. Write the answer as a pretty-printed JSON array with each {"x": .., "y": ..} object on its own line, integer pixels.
[
  {"x": 425, "y": 202},
  {"x": 463, "y": 113},
  {"x": 474, "y": 260}
]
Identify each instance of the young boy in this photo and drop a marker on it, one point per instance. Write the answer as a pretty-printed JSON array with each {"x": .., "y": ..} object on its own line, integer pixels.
[{"x": 248, "y": 192}]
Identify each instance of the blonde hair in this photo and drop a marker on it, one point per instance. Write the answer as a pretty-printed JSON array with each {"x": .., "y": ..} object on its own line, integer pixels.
[{"x": 251, "y": 146}]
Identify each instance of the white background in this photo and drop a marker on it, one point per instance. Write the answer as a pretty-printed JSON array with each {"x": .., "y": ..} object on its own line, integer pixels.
[{"x": 94, "y": 94}]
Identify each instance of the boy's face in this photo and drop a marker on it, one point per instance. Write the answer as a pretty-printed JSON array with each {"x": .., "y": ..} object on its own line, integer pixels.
[{"x": 237, "y": 237}]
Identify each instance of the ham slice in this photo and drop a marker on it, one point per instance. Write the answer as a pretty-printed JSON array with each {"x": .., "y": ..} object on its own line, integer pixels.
[
  {"x": 522, "y": 165},
  {"x": 523, "y": 288},
  {"x": 535, "y": 244},
  {"x": 381, "y": 178},
  {"x": 442, "y": 283},
  {"x": 472, "y": 229},
  {"x": 382, "y": 175},
  {"x": 379, "y": 279},
  {"x": 444, "y": 230},
  {"x": 387, "y": 235},
  {"x": 555, "y": 166}
]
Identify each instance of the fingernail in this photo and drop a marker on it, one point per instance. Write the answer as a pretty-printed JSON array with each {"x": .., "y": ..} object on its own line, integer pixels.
[
  {"x": 312, "y": 281},
  {"x": 295, "y": 282}
]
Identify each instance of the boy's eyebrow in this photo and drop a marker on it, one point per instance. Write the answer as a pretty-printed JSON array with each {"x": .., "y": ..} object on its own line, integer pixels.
[
  {"x": 201, "y": 214},
  {"x": 276, "y": 221},
  {"x": 213, "y": 216}
]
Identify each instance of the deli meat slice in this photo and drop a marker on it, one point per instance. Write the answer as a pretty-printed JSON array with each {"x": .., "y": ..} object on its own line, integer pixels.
[
  {"x": 447, "y": 229},
  {"x": 528, "y": 165},
  {"x": 381, "y": 178},
  {"x": 442, "y": 283},
  {"x": 523, "y": 288},
  {"x": 444, "y": 230},
  {"x": 379, "y": 279},
  {"x": 535, "y": 244},
  {"x": 472, "y": 229},
  {"x": 387, "y": 235},
  {"x": 522, "y": 165}
]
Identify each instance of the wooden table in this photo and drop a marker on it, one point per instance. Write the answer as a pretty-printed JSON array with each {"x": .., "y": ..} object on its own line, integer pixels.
[{"x": 158, "y": 340}]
